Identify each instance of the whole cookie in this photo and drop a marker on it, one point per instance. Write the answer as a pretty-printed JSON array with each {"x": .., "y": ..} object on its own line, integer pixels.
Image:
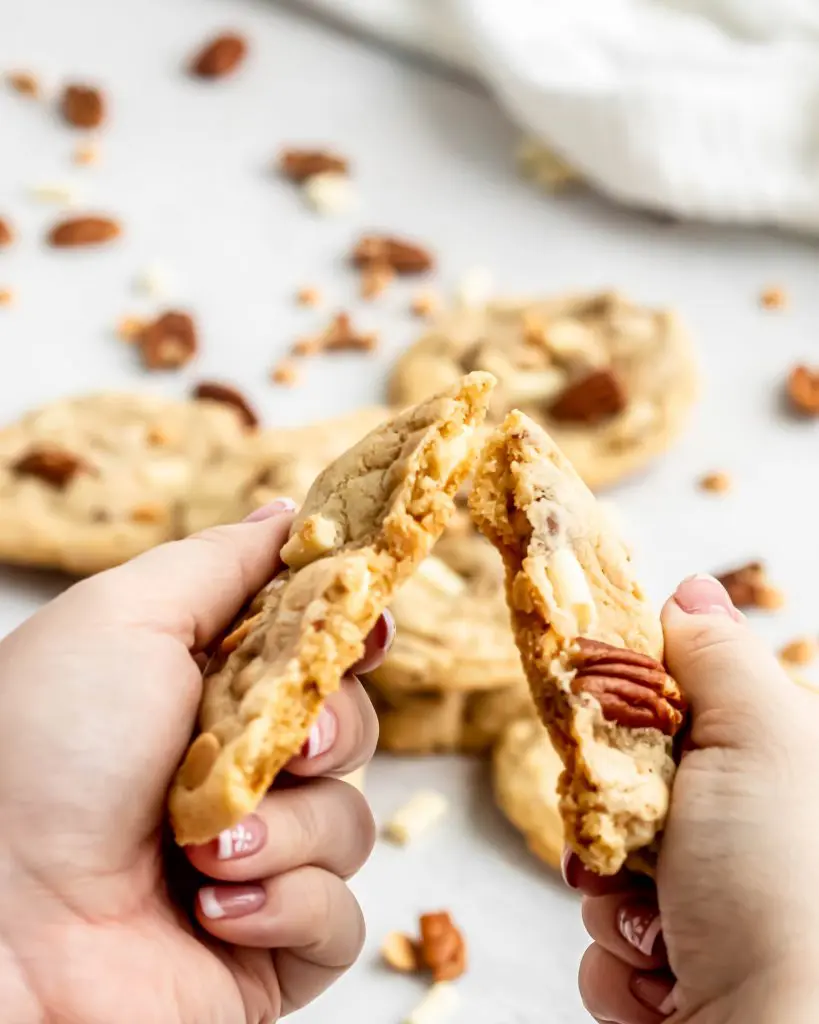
[
  {"x": 612, "y": 381},
  {"x": 525, "y": 773}
]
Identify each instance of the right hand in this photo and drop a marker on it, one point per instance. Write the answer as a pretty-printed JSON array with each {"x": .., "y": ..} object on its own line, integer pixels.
[{"x": 731, "y": 933}]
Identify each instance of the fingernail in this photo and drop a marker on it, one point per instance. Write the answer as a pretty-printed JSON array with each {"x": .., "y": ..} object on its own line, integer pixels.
[
  {"x": 568, "y": 867},
  {"x": 389, "y": 629},
  {"x": 273, "y": 508},
  {"x": 242, "y": 840},
  {"x": 704, "y": 595},
  {"x": 640, "y": 926},
  {"x": 322, "y": 734},
  {"x": 219, "y": 901},
  {"x": 653, "y": 991}
]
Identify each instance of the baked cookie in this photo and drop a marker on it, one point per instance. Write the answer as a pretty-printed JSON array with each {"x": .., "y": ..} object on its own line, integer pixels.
[
  {"x": 612, "y": 381},
  {"x": 525, "y": 773},
  {"x": 590, "y": 643},
  {"x": 368, "y": 520},
  {"x": 86, "y": 483}
]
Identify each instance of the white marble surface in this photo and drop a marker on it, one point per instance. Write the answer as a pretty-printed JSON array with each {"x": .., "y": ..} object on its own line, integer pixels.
[{"x": 185, "y": 166}]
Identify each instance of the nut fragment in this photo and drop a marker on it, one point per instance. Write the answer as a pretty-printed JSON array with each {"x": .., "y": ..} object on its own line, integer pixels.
[
  {"x": 375, "y": 279},
  {"x": 633, "y": 689},
  {"x": 803, "y": 390},
  {"x": 748, "y": 587},
  {"x": 773, "y": 298},
  {"x": 24, "y": 83},
  {"x": 300, "y": 164},
  {"x": 168, "y": 342},
  {"x": 213, "y": 391},
  {"x": 418, "y": 814},
  {"x": 442, "y": 947},
  {"x": 220, "y": 57},
  {"x": 82, "y": 106},
  {"x": 53, "y": 465},
  {"x": 338, "y": 336},
  {"x": 6, "y": 233},
  {"x": 400, "y": 952},
  {"x": 571, "y": 588},
  {"x": 596, "y": 397},
  {"x": 800, "y": 651},
  {"x": 308, "y": 296},
  {"x": 438, "y": 1004},
  {"x": 404, "y": 257},
  {"x": 715, "y": 483},
  {"x": 285, "y": 373},
  {"x": 79, "y": 231}
]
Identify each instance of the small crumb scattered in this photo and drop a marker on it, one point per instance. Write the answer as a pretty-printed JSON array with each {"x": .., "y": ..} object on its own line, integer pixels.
[
  {"x": 24, "y": 83},
  {"x": 749, "y": 587},
  {"x": 773, "y": 298},
  {"x": 329, "y": 193},
  {"x": 375, "y": 280},
  {"x": 715, "y": 483},
  {"x": 440, "y": 1002},
  {"x": 65, "y": 193},
  {"x": 309, "y": 296},
  {"x": 417, "y": 815},
  {"x": 424, "y": 304},
  {"x": 800, "y": 651},
  {"x": 6, "y": 296},
  {"x": 400, "y": 952},
  {"x": 285, "y": 373},
  {"x": 87, "y": 153},
  {"x": 474, "y": 288},
  {"x": 129, "y": 328}
]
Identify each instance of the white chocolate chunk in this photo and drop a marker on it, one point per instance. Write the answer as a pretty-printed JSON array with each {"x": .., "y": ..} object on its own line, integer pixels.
[
  {"x": 418, "y": 814},
  {"x": 438, "y": 573},
  {"x": 534, "y": 385},
  {"x": 571, "y": 589},
  {"x": 475, "y": 288},
  {"x": 317, "y": 536},
  {"x": 65, "y": 193},
  {"x": 329, "y": 193},
  {"x": 456, "y": 451},
  {"x": 438, "y": 1004},
  {"x": 572, "y": 341}
]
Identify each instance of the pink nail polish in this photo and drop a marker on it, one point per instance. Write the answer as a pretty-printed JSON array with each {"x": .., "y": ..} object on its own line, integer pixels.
[
  {"x": 322, "y": 734},
  {"x": 220, "y": 901},
  {"x": 654, "y": 991},
  {"x": 273, "y": 508},
  {"x": 242, "y": 840},
  {"x": 640, "y": 926},
  {"x": 704, "y": 595}
]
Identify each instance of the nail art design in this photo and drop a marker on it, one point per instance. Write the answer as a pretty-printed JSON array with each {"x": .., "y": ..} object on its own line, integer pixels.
[
  {"x": 640, "y": 926},
  {"x": 220, "y": 901},
  {"x": 243, "y": 839}
]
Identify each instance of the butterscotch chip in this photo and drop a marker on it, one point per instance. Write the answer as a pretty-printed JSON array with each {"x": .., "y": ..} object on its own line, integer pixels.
[
  {"x": 168, "y": 342},
  {"x": 424, "y": 304},
  {"x": 308, "y": 296},
  {"x": 24, "y": 83},
  {"x": 800, "y": 651},
  {"x": 220, "y": 56},
  {"x": 715, "y": 483},
  {"x": 773, "y": 298},
  {"x": 83, "y": 106},
  {"x": 81, "y": 231},
  {"x": 214, "y": 391},
  {"x": 285, "y": 373},
  {"x": 400, "y": 952},
  {"x": 6, "y": 233},
  {"x": 6, "y": 296},
  {"x": 802, "y": 389},
  {"x": 375, "y": 280},
  {"x": 129, "y": 328},
  {"x": 86, "y": 153},
  {"x": 148, "y": 513}
]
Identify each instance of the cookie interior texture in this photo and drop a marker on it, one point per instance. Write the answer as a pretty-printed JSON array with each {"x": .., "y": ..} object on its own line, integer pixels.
[
  {"x": 568, "y": 576},
  {"x": 367, "y": 521},
  {"x": 539, "y": 349}
]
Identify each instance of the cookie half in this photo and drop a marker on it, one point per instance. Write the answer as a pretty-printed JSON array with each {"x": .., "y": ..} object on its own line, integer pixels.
[
  {"x": 369, "y": 519},
  {"x": 591, "y": 645}
]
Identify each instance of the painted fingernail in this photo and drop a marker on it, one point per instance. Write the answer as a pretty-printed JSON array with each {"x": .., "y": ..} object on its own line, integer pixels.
[
  {"x": 220, "y": 901},
  {"x": 704, "y": 595},
  {"x": 389, "y": 630},
  {"x": 273, "y": 508},
  {"x": 640, "y": 926},
  {"x": 322, "y": 734},
  {"x": 568, "y": 867},
  {"x": 242, "y": 840},
  {"x": 653, "y": 991}
]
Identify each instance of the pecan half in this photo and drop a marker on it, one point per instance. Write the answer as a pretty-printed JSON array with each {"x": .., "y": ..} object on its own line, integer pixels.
[
  {"x": 52, "y": 465},
  {"x": 590, "y": 400},
  {"x": 78, "y": 231},
  {"x": 632, "y": 689},
  {"x": 803, "y": 390},
  {"x": 300, "y": 164},
  {"x": 213, "y": 391},
  {"x": 6, "y": 233},
  {"x": 749, "y": 587},
  {"x": 442, "y": 947},
  {"x": 219, "y": 57},
  {"x": 168, "y": 342},
  {"x": 400, "y": 255},
  {"x": 82, "y": 106}
]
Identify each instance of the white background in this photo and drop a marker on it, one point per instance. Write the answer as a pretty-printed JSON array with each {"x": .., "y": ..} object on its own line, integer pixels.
[{"x": 186, "y": 167}]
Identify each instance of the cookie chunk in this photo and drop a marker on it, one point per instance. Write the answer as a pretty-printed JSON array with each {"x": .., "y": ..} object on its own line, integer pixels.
[
  {"x": 369, "y": 519},
  {"x": 525, "y": 773},
  {"x": 591, "y": 645},
  {"x": 89, "y": 482},
  {"x": 612, "y": 381}
]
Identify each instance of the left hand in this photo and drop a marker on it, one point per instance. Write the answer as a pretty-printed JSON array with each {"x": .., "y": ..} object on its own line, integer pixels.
[{"x": 98, "y": 696}]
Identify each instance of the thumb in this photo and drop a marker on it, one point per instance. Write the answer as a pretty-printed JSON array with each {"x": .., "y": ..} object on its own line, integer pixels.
[{"x": 725, "y": 671}]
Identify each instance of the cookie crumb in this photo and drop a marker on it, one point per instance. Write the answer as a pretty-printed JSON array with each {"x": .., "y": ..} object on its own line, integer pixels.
[
  {"x": 329, "y": 194},
  {"x": 424, "y": 304},
  {"x": 800, "y": 651},
  {"x": 285, "y": 373},
  {"x": 440, "y": 1002},
  {"x": 773, "y": 297},
  {"x": 715, "y": 483},
  {"x": 375, "y": 280},
  {"x": 309, "y": 296},
  {"x": 802, "y": 389},
  {"x": 86, "y": 153},
  {"x": 24, "y": 83},
  {"x": 400, "y": 952},
  {"x": 417, "y": 815},
  {"x": 7, "y": 297},
  {"x": 748, "y": 587}
]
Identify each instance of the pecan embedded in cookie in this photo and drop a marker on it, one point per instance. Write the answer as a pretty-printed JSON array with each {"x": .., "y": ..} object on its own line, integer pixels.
[{"x": 53, "y": 465}]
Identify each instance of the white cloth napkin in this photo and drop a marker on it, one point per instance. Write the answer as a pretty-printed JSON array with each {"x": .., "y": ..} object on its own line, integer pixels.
[{"x": 699, "y": 108}]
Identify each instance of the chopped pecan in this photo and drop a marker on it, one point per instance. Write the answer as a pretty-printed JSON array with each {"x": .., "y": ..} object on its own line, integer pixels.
[
  {"x": 748, "y": 587},
  {"x": 78, "y": 231},
  {"x": 338, "y": 336},
  {"x": 300, "y": 164},
  {"x": 6, "y": 233},
  {"x": 375, "y": 279},
  {"x": 632, "y": 689},
  {"x": 53, "y": 465},
  {"x": 715, "y": 483},
  {"x": 596, "y": 397},
  {"x": 168, "y": 342},
  {"x": 803, "y": 390},
  {"x": 82, "y": 106},
  {"x": 220, "y": 57},
  {"x": 213, "y": 391},
  {"x": 402, "y": 256},
  {"x": 24, "y": 83},
  {"x": 773, "y": 297},
  {"x": 442, "y": 947}
]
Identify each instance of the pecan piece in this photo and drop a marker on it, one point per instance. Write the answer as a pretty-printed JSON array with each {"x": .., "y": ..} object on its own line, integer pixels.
[
  {"x": 213, "y": 391},
  {"x": 168, "y": 342},
  {"x": 748, "y": 587},
  {"x": 596, "y": 397},
  {"x": 82, "y": 106},
  {"x": 442, "y": 948},
  {"x": 78, "y": 231},
  {"x": 300, "y": 164},
  {"x": 219, "y": 57},
  {"x": 400, "y": 255},
  {"x": 803, "y": 390},
  {"x": 24, "y": 83},
  {"x": 6, "y": 233},
  {"x": 632, "y": 689},
  {"x": 52, "y": 465}
]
